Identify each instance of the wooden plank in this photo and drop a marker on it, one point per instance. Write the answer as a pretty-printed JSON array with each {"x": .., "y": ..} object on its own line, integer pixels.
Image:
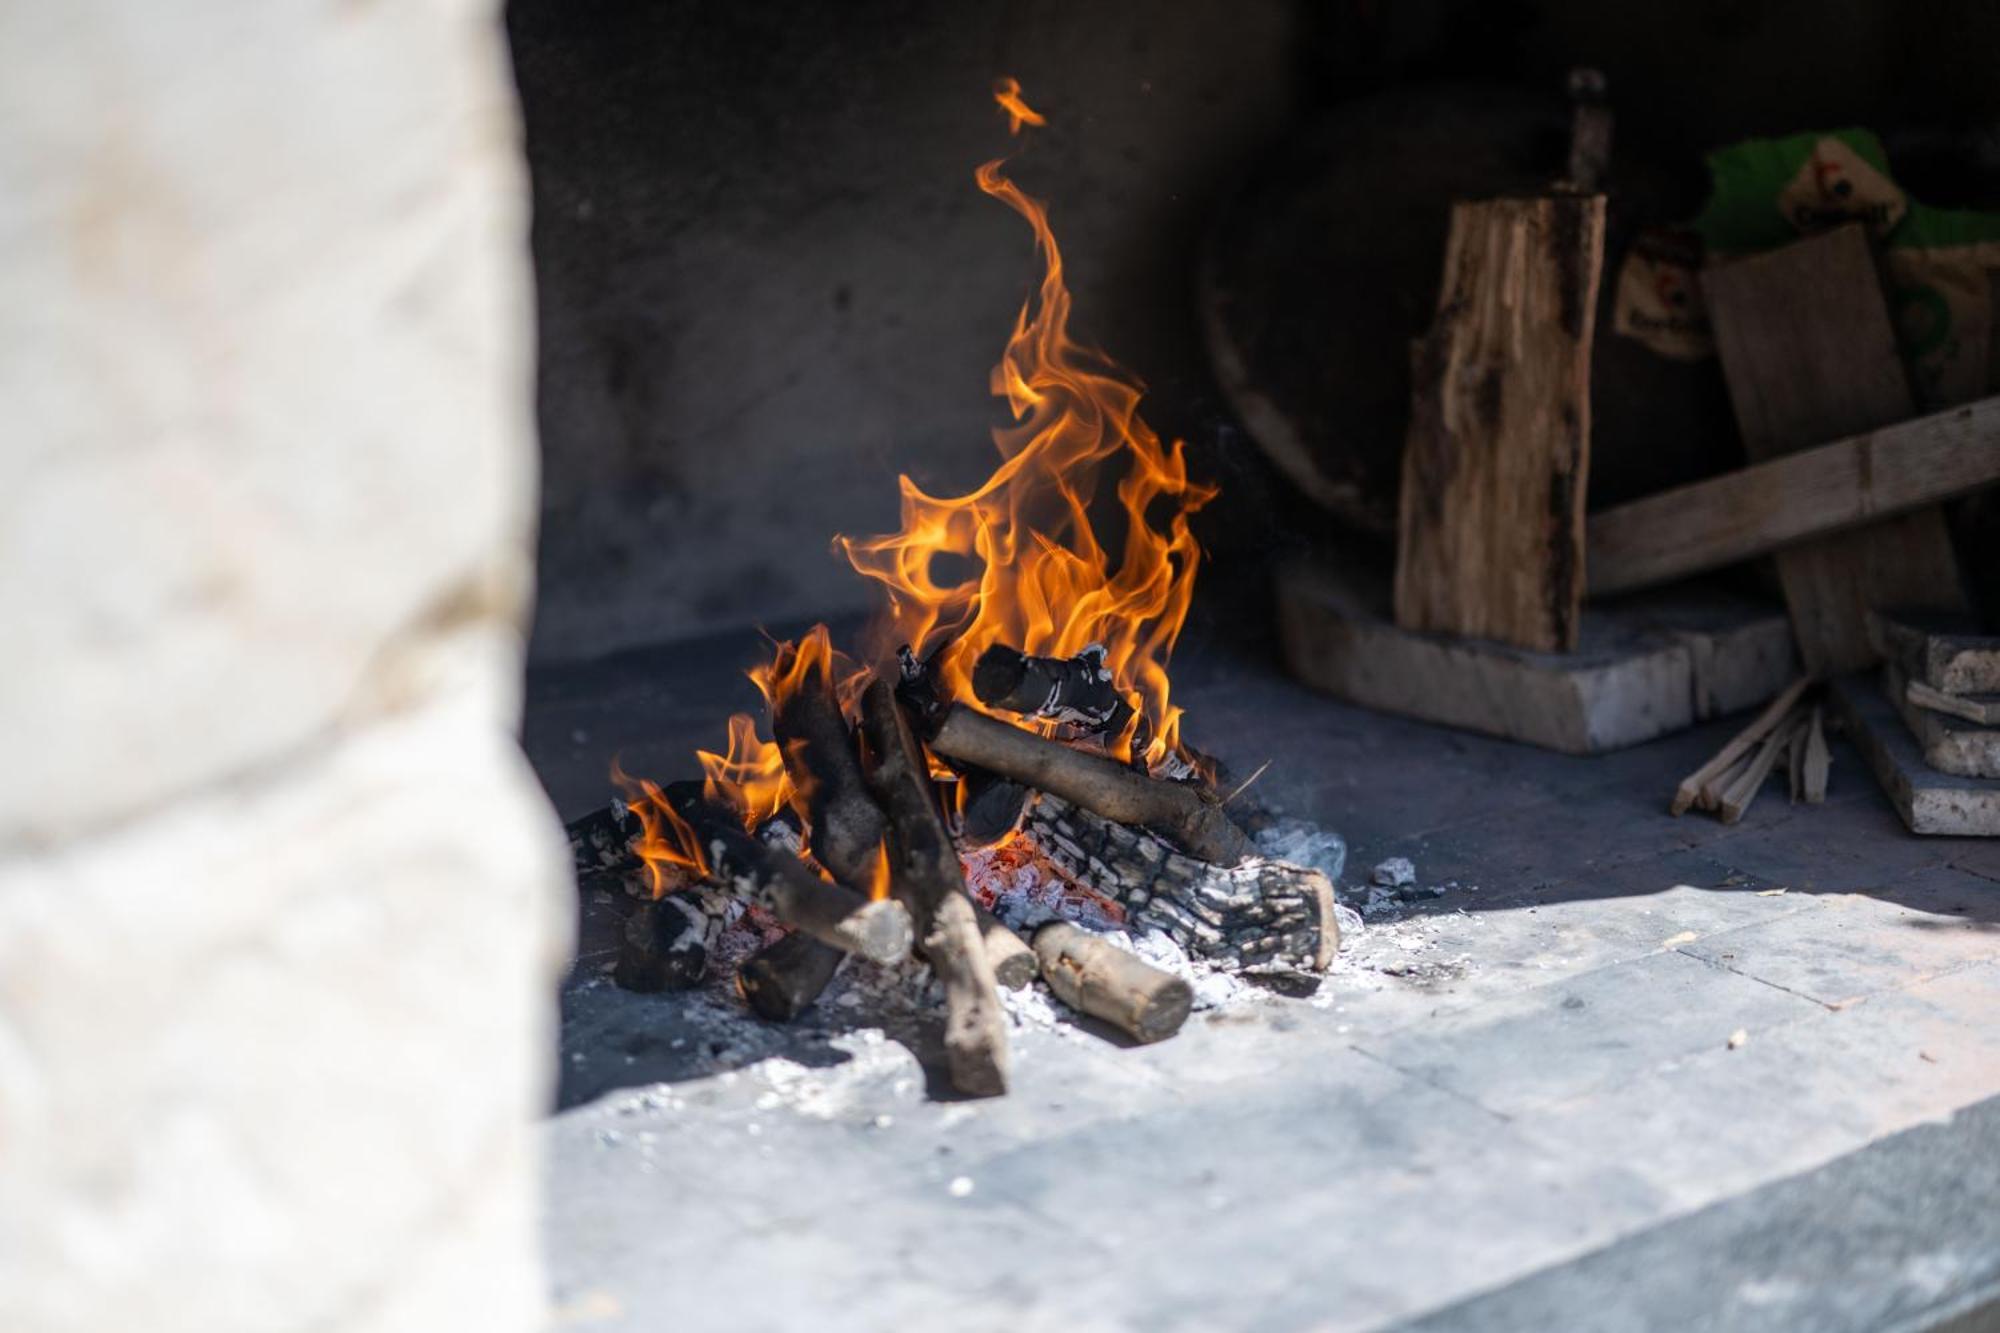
[
  {"x": 1929, "y": 802},
  {"x": 1980, "y": 709},
  {"x": 1810, "y": 355},
  {"x": 1490, "y": 531},
  {"x": 1650, "y": 666},
  {"x": 1942, "y": 651},
  {"x": 1948, "y": 746},
  {"x": 1697, "y": 785},
  {"x": 1812, "y": 493}
]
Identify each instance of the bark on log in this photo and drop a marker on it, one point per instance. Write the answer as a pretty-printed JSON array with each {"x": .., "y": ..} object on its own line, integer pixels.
[
  {"x": 1258, "y": 914},
  {"x": 925, "y": 875},
  {"x": 781, "y": 980},
  {"x": 666, "y": 942},
  {"x": 741, "y": 865},
  {"x": 1096, "y": 977},
  {"x": 1077, "y": 690},
  {"x": 1175, "y": 810}
]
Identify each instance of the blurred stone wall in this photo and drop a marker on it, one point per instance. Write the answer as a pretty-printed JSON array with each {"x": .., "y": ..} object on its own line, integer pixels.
[{"x": 280, "y": 902}]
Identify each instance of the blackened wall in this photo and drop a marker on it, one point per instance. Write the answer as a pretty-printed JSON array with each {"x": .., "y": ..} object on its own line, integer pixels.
[{"x": 768, "y": 282}]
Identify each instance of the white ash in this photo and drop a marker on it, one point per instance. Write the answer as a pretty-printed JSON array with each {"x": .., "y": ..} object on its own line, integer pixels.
[{"x": 1304, "y": 844}]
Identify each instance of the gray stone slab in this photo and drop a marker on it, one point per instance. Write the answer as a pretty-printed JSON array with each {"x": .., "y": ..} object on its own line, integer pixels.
[
  {"x": 1645, "y": 666},
  {"x": 1527, "y": 1051},
  {"x": 1900, "y": 1236},
  {"x": 1854, "y": 946},
  {"x": 1929, "y": 802}
]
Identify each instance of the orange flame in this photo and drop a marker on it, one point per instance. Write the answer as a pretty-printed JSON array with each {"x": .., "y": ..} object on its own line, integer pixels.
[
  {"x": 1045, "y": 584},
  {"x": 666, "y": 845}
]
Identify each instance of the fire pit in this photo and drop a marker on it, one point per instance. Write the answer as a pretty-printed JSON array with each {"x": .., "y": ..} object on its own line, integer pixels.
[{"x": 994, "y": 785}]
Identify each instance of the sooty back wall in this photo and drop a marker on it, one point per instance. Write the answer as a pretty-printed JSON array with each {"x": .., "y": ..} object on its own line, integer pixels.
[{"x": 767, "y": 282}]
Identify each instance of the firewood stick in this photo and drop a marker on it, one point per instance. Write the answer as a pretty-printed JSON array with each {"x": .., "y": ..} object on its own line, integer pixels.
[
  {"x": 1817, "y": 759},
  {"x": 925, "y": 875},
  {"x": 1173, "y": 809},
  {"x": 781, "y": 980},
  {"x": 1736, "y": 801},
  {"x": 1068, "y": 689},
  {"x": 1795, "y": 763},
  {"x": 1013, "y": 962},
  {"x": 846, "y": 828},
  {"x": 831, "y": 912},
  {"x": 1258, "y": 913},
  {"x": 845, "y": 825},
  {"x": 1739, "y": 745},
  {"x": 1096, "y": 977}
]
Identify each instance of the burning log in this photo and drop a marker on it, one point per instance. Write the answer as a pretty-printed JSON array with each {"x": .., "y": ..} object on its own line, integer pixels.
[
  {"x": 666, "y": 942},
  {"x": 1176, "y": 810},
  {"x": 1259, "y": 913},
  {"x": 924, "y": 874},
  {"x": 1096, "y": 977},
  {"x": 779, "y": 883},
  {"x": 1077, "y": 690},
  {"x": 783, "y": 979}
]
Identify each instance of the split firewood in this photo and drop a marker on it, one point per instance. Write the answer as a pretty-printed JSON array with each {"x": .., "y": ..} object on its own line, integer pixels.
[
  {"x": 1012, "y": 961},
  {"x": 666, "y": 942},
  {"x": 1694, "y": 786},
  {"x": 779, "y": 883},
  {"x": 1178, "y": 811},
  {"x": 781, "y": 980},
  {"x": 1257, "y": 914},
  {"x": 1795, "y": 762},
  {"x": 1077, "y": 690},
  {"x": 1983, "y": 709},
  {"x": 1096, "y": 977},
  {"x": 925, "y": 875},
  {"x": 1817, "y": 759},
  {"x": 1737, "y": 797}
]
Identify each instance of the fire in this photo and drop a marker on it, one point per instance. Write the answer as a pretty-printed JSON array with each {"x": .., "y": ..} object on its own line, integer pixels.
[
  {"x": 1044, "y": 581},
  {"x": 668, "y": 847}
]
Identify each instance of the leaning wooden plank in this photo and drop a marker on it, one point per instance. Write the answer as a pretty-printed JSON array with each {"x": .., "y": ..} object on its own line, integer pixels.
[
  {"x": 1736, "y": 800},
  {"x": 1739, "y": 745},
  {"x": 1983, "y": 709},
  {"x": 1944, "y": 652},
  {"x": 1929, "y": 802},
  {"x": 1795, "y": 763},
  {"x": 1490, "y": 529},
  {"x": 1812, "y": 493},
  {"x": 1810, "y": 355},
  {"x": 1949, "y": 747}
]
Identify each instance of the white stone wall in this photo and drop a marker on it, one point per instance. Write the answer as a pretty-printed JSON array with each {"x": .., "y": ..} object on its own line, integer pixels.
[{"x": 280, "y": 902}]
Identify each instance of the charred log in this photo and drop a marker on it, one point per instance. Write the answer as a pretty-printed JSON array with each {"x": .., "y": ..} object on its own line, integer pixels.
[
  {"x": 1258, "y": 914},
  {"x": 602, "y": 840},
  {"x": 924, "y": 874},
  {"x": 666, "y": 942},
  {"x": 781, "y": 980},
  {"x": 742, "y": 865},
  {"x": 1175, "y": 810},
  {"x": 990, "y": 806},
  {"x": 1076, "y": 690},
  {"x": 1096, "y": 977}
]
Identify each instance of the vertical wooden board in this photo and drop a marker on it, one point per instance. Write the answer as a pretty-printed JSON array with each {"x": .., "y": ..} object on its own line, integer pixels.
[
  {"x": 1810, "y": 355},
  {"x": 1490, "y": 533}
]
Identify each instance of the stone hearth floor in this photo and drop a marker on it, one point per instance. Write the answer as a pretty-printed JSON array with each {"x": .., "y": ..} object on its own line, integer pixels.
[{"x": 1515, "y": 1105}]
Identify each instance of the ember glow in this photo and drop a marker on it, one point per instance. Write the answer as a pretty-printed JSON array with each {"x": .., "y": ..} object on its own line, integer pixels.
[
  {"x": 1039, "y": 577},
  {"x": 1042, "y": 580}
]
